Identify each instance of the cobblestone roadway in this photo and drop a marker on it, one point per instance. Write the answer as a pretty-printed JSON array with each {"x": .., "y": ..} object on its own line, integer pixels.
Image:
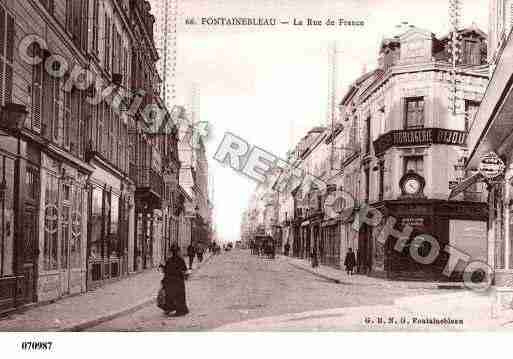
[{"x": 236, "y": 286}]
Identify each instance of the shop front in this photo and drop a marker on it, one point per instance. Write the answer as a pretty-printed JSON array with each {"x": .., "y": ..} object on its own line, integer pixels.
[
  {"x": 62, "y": 230},
  {"x": 329, "y": 246},
  {"x": 461, "y": 225},
  {"x": 110, "y": 217},
  {"x": 19, "y": 215}
]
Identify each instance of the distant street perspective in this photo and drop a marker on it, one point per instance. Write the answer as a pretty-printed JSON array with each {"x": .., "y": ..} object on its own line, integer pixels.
[{"x": 237, "y": 286}]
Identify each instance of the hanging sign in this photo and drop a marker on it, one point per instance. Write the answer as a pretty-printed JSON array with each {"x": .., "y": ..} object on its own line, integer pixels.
[{"x": 491, "y": 166}]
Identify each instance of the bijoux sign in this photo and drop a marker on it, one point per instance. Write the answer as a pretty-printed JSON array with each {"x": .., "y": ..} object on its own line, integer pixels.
[{"x": 423, "y": 136}]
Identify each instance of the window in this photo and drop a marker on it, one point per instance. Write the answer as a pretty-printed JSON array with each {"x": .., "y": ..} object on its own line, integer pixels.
[
  {"x": 113, "y": 231},
  {"x": 6, "y": 55},
  {"x": 368, "y": 135},
  {"x": 76, "y": 21},
  {"x": 472, "y": 52},
  {"x": 471, "y": 108},
  {"x": 415, "y": 164},
  {"x": 46, "y": 103},
  {"x": 66, "y": 116},
  {"x": 96, "y": 223},
  {"x": 414, "y": 109}
]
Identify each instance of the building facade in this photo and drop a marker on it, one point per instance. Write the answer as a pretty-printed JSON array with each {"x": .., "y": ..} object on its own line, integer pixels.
[{"x": 82, "y": 175}]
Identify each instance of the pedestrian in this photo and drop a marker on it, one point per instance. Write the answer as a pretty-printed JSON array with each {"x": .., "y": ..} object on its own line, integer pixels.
[
  {"x": 315, "y": 260},
  {"x": 191, "y": 253},
  {"x": 174, "y": 284},
  {"x": 286, "y": 249},
  {"x": 199, "y": 252},
  {"x": 350, "y": 261}
]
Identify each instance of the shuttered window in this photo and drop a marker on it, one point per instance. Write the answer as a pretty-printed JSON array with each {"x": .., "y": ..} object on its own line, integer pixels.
[
  {"x": 6, "y": 55},
  {"x": 66, "y": 95},
  {"x": 76, "y": 21},
  {"x": 37, "y": 92}
]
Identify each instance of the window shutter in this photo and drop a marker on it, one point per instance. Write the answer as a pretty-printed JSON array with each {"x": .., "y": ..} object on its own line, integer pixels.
[
  {"x": 47, "y": 100},
  {"x": 84, "y": 29},
  {"x": 96, "y": 19},
  {"x": 107, "y": 43},
  {"x": 9, "y": 56},
  {"x": 84, "y": 116},
  {"x": 56, "y": 109},
  {"x": 69, "y": 16},
  {"x": 37, "y": 101},
  {"x": 67, "y": 118},
  {"x": 3, "y": 33},
  {"x": 93, "y": 126}
]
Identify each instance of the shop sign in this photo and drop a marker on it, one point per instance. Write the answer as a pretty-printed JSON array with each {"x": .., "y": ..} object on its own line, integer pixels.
[
  {"x": 413, "y": 222},
  {"x": 424, "y": 136},
  {"x": 491, "y": 166}
]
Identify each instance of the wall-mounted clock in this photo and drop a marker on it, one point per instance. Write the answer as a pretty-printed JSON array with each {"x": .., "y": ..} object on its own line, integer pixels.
[{"x": 412, "y": 185}]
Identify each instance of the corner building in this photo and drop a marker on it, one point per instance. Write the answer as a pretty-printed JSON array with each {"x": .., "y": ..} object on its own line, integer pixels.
[{"x": 414, "y": 148}]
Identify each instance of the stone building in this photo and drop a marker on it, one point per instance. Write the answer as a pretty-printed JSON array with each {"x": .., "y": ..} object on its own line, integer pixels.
[
  {"x": 81, "y": 184},
  {"x": 413, "y": 146}
]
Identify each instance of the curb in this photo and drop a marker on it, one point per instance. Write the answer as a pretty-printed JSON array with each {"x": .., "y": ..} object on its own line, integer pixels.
[
  {"x": 89, "y": 323},
  {"x": 441, "y": 286},
  {"x": 323, "y": 276}
]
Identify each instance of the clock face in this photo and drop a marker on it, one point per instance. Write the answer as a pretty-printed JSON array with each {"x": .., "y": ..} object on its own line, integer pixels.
[{"x": 412, "y": 186}]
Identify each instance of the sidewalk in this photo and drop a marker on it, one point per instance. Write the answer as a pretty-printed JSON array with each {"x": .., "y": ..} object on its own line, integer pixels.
[
  {"x": 478, "y": 310},
  {"x": 83, "y": 311},
  {"x": 341, "y": 277}
]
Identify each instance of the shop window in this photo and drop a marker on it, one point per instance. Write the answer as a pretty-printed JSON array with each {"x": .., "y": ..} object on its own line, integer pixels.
[
  {"x": 114, "y": 220},
  {"x": 65, "y": 213},
  {"x": 50, "y": 246},
  {"x": 415, "y": 164},
  {"x": 96, "y": 223},
  {"x": 414, "y": 110},
  {"x": 6, "y": 216},
  {"x": 76, "y": 228}
]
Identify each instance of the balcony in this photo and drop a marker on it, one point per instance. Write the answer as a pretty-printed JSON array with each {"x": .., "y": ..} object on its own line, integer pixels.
[{"x": 149, "y": 185}]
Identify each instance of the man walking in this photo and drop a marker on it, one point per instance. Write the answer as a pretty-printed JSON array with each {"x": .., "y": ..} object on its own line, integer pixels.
[{"x": 191, "y": 253}]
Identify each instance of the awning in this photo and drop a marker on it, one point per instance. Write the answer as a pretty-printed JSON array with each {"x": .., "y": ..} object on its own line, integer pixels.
[
  {"x": 331, "y": 222},
  {"x": 466, "y": 183}
]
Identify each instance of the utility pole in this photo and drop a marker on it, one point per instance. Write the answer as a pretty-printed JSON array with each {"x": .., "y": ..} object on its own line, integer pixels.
[{"x": 455, "y": 52}]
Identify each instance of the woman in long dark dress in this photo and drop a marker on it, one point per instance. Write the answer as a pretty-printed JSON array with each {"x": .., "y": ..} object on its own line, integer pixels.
[
  {"x": 350, "y": 261},
  {"x": 174, "y": 283}
]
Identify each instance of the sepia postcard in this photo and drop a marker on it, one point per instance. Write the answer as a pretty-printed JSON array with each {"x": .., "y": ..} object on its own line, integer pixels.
[{"x": 255, "y": 166}]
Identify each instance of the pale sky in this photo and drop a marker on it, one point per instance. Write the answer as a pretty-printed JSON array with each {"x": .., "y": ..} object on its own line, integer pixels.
[{"x": 269, "y": 85}]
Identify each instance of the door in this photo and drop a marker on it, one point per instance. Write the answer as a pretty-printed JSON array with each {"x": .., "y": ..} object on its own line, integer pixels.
[
  {"x": 65, "y": 265},
  {"x": 30, "y": 253}
]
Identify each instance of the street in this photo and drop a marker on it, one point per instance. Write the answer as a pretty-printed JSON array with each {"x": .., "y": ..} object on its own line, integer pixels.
[{"x": 236, "y": 286}]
